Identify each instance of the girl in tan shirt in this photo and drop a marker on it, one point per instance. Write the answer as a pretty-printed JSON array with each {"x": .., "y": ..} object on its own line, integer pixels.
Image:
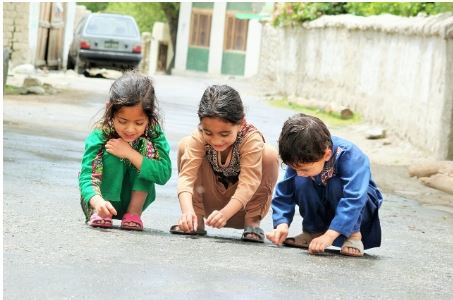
[{"x": 226, "y": 171}]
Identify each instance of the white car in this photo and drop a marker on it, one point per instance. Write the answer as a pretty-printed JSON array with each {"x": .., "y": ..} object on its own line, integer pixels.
[{"x": 105, "y": 40}]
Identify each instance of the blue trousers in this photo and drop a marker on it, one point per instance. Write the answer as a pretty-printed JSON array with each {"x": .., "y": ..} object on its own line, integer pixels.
[{"x": 318, "y": 203}]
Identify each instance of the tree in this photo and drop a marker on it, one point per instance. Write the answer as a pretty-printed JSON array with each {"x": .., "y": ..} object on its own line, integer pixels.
[
  {"x": 94, "y": 6},
  {"x": 171, "y": 10},
  {"x": 145, "y": 13}
]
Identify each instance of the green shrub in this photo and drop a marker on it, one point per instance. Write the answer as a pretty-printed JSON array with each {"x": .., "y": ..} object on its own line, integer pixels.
[{"x": 293, "y": 13}]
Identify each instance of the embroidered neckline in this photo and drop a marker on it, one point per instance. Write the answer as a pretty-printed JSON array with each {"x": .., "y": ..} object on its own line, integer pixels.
[
  {"x": 233, "y": 168},
  {"x": 329, "y": 167}
]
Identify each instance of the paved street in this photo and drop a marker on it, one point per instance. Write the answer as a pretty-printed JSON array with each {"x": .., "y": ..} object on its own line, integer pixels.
[{"x": 49, "y": 253}]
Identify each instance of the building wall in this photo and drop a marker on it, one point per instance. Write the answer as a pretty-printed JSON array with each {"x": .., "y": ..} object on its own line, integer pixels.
[
  {"x": 198, "y": 57},
  {"x": 395, "y": 71},
  {"x": 214, "y": 60},
  {"x": 16, "y": 32},
  {"x": 160, "y": 34},
  {"x": 182, "y": 37}
]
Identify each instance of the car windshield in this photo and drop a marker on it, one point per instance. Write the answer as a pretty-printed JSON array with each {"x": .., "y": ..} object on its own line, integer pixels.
[{"x": 112, "y": 25}]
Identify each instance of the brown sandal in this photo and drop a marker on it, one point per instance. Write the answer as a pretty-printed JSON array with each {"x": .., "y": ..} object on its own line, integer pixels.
[
  {"x": 301, "y": 241},
  {"x": 175, "y": 230}
]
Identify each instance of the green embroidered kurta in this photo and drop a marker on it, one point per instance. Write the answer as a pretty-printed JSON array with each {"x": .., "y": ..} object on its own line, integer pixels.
[{"x": 114, "y": 178}]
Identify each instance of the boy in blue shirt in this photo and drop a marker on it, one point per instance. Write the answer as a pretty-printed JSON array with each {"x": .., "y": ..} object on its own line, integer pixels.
[{"x": 329, "y": 178}]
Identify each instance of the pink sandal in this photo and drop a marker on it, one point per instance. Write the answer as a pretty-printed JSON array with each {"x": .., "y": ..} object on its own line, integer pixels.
[
  {"x": 130, "y": 218},
  {"x": 97, "y": 221}
]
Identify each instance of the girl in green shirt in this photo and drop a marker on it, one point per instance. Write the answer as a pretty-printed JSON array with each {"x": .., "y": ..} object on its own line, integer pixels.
[{"x": 125, "y": 155}]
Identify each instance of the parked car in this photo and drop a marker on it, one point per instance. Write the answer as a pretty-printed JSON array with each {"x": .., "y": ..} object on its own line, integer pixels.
[{"x": 105, "y": 40}]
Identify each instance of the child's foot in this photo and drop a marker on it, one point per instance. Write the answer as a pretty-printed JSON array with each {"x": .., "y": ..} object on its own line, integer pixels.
[
  {"x": 252, "y": 230},
  {"x": 253, "y": 234},
  {"x": 353, "y": 246},
  {"x": 97, "y": 221},
  {"x": 131, "y": 222}
]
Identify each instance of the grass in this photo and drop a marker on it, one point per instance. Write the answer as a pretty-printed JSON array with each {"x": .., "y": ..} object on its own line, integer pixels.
[
  {"x": 330, "y": 119},
  {"x": 12, "y": 90}
]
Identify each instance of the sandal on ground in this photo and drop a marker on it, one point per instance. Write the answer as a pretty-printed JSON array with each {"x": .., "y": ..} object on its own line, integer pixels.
[
  {"x": 130, "y": 218},
  {"x": 248, "y": 230},
  {"x": 300, "y": 241},
  {"x": 97, "y": 221},
  {"x": 176, "y": 230},
  {"x": 351, "y": 243}
]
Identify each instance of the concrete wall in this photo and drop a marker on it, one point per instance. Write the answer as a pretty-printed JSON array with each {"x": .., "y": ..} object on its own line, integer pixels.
[
  {"x": 397, "y": 72},
  {"x": 16, "y": 32},
  {"x": 20, "y": 30},
  {"x": 214, "y": 60},
  {"x": 182, "y": 39},
  {"x": 160, "y": 34}
]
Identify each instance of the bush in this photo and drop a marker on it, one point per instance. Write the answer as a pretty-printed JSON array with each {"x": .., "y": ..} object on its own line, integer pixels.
[
  {"x": 296, "y": 13},
  {"x": 406, "y": 9},
  {"x": 299, "y": 12}
]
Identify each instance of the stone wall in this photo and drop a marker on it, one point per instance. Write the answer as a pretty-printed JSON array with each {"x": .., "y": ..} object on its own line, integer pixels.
[
  {"x": 16, "y": 31},
  {"x": 397, "y": 72}
]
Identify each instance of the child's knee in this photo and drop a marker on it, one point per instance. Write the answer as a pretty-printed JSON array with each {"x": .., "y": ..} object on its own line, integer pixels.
[
  {"x": 181, "y": 148},
  {"x": 270, "y": 163}
]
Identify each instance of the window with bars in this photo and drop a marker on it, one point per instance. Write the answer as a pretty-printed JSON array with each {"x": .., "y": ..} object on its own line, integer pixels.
[
  {"x": 235, "y": 34},
  {"x": 200, "y": 28}
]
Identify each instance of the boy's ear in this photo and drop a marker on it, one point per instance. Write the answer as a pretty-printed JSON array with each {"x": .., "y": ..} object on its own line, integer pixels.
[{"x": 327, "y": 154}]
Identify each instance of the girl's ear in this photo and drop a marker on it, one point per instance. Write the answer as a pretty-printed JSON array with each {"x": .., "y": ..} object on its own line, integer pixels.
[{"x": 327, "y": 154}]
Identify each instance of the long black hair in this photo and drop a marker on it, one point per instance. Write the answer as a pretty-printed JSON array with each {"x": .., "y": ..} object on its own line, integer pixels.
[{"x": 131, "y": 89}]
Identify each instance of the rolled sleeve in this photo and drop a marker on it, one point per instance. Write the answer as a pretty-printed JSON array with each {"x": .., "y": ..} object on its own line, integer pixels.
[{"x": 283, "y": 202}]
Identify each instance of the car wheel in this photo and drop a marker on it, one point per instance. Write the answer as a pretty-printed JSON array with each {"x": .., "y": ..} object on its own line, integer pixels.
[
  {"x": 79, "y": 66},
  {"x": 70, "y": 63}
]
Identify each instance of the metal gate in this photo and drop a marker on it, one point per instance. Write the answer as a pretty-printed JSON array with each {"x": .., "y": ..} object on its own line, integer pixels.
[{"x": 49, "y": 50}]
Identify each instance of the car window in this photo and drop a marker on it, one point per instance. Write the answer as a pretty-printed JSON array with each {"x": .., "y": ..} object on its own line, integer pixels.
[
  {"x": 111, "y": 25},
  {"x": 80, "y": 26}
]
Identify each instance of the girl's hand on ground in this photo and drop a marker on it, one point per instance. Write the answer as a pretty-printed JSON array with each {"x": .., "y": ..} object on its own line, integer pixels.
[
  {"x": 104, "y": 208},
  {"x": 278, "y": 235},
  {"x": 118, "y": 148},
  {"x": 319, "y": 244},
  {"x": 216, "y": 219},
  {"x": 188, "y": 222}
]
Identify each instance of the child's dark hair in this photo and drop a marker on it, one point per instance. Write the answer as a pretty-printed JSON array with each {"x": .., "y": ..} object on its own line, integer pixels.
[
  {"x": 221, "y": 101},
  {"x": 131, "y": 89},
  {"x": 303, "y": 139}
]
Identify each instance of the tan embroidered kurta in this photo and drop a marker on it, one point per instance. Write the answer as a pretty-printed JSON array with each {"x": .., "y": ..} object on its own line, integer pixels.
[{"x": 250, "y": 153}]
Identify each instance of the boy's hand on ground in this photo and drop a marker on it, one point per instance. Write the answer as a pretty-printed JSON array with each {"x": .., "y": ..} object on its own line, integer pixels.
[
  {"x": 319, "y": 244},
  {"x": 118, "y": 148},
  {"x": 188, "y": 222},
  {"x": 216, "y": 219},
  {"x": 278, "y": 235}
]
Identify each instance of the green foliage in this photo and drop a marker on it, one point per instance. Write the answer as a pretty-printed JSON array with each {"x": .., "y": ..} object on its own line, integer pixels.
[
  {"x": 145, "y": 13},
  {"x": 296, "y": 13},
  {"x": 13, "y": 90},
  {"x": 407, "y": 9},
  {"x": 94, "y": 6}
]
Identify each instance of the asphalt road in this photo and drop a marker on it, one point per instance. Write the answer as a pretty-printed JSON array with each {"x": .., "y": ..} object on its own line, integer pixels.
[{"x": 49, "y": 253}]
